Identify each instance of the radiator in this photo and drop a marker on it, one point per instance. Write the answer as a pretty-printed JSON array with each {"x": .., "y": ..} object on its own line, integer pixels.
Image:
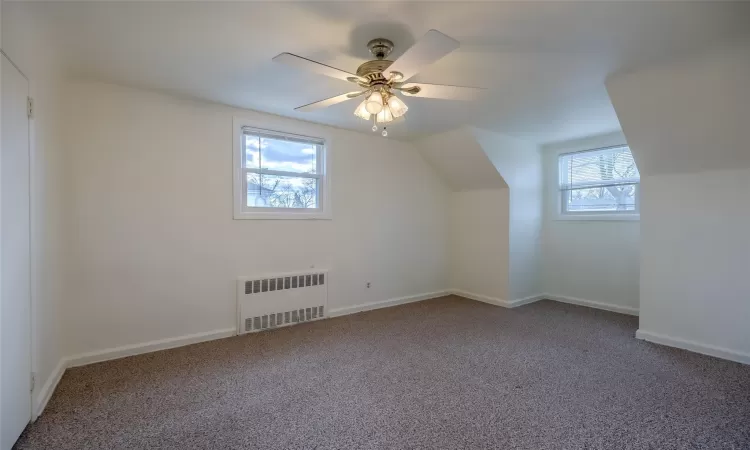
[{"x": 280, "y": 300}]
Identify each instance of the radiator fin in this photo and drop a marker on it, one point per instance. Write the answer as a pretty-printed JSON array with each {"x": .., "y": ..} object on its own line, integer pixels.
[
  {"x": 281, "y": 319},
  {"x": 279, "y": 284}
]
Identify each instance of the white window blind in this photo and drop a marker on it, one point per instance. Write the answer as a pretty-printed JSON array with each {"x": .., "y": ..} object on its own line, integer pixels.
[{"x": 599, "y": 181}]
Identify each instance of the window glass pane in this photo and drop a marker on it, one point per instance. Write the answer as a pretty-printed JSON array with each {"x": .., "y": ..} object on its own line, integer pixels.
[
  {"x": 274, "y": 191},
  {"x": 252, "y": 155},
  {"x": 601, "y": 199},
  {"x": 288, "y": 156}
]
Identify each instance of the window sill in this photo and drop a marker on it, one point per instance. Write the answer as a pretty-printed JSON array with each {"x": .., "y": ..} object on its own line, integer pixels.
[
  {"x": 281, "y": 216},
  {"x": 599, "y": 217}
]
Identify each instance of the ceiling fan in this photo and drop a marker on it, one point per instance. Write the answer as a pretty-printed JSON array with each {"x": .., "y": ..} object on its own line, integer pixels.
[{"x": 380, "y": 78}]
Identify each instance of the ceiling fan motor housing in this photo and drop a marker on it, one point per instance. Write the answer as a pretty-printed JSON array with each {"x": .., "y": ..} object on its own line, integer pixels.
[{"x": 373, "y": 71}]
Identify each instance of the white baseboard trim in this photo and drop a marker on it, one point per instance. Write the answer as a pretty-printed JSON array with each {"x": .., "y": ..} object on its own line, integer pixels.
[
  {"x": 697, "y": 347},
  {"x": 526, "y": 300},
  {"x": 497, "y": 301},
  {"x": 480, "y": 298},
  {"x": 45, "y": 393},
  {"x": 336, "y": 312},
  {"x": 592, "y": 304},
  {"x": 147, "y": 347}
]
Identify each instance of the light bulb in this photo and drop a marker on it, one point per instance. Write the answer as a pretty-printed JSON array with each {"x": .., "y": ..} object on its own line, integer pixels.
[
  {"x": 384, "y": 116},
  {"x": 384, "y": 133},
  {"x": 397, "y": 106},
  {"x": 374, "y": 128},
  {"x": 374, "y": 103},
  {"x": 361, "y": 111}
]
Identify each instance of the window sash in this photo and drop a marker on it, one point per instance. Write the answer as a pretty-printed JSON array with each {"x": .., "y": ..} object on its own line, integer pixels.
[
  {"x": 318, "y": 192},
  {"x": 569, "y": 180},
  {"x": 318, "y": 143},
  {"x": 635, "y": 211},
  {"x": 319, "y": 174}
]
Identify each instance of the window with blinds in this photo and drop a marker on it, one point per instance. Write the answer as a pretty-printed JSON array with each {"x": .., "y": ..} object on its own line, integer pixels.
[
  {"x": 279, "y": 173},
  {"x": 601, "y": 181}
]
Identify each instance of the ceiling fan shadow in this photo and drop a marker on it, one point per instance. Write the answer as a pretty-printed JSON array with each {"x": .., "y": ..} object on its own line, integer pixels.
[{"x": 396, "y": 32}]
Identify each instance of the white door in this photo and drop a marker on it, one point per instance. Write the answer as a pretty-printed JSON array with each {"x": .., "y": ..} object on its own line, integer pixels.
[{"x": 15, "y": 267}]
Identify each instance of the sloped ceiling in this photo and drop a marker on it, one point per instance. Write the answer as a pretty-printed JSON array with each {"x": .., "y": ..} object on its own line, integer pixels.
[
  {"x": 471, "y": 158},
  {"x": 460, "y": 160},
  {"x": 544, "y": 63},
  {"x": 517, "y": 161},
  {"x": 689, "y": 114}
]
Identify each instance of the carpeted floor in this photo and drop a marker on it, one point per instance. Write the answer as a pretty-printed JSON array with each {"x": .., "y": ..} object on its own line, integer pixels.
[{"x": 447, "y": 373}]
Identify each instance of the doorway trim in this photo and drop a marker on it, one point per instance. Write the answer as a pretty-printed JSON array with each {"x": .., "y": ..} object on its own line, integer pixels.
[{"x": 32, "y": 244}]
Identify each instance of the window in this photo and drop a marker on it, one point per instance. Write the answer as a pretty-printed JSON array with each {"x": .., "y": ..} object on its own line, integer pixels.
[
  {"x": 279, "y": 175},
  {"x": 599, "y": 182}
]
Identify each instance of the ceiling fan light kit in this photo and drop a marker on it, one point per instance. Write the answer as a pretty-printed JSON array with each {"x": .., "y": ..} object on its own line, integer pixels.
[
  {"x": 362, "y": 112},
  {"x": 384, "y": 111},
  {"x": 380, "y": 77},
  {"x": 384, "y": 116},
  {"x": 397, "y": 106},
  {"x": 374, "y": 103}
]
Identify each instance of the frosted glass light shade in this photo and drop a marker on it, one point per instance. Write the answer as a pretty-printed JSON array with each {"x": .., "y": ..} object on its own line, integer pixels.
[
  {"x": 361, "y": 111},
  {"x": 397, "y": 106},
  {"x": 374, "y": 103},
  {"x": 384, "y": 116}
]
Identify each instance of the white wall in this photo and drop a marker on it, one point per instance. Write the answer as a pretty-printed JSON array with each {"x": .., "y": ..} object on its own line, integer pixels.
[
  {"x": 520, "y": 165},
  {"x": 594, "y": 261},
  {"x": 155, "y": 252},
  {"x": 25, "y": 42},
  {"x": 686, "y": 121},
  {"x": 496, "y": 211},
  {"x": 479, "y": 243},
  {"x": 695, "y": 273},
  {"x": 479, "y": 214}
]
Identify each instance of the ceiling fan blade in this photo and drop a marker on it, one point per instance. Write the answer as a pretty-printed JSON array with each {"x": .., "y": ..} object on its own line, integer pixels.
[
  {"x": 314, "y": 66},
  {"x": 357, "y": 94},
  {"x": 433, "y": 46},
  {"x": 329, "y": 102},
  {"x": 443, "y": 91}
]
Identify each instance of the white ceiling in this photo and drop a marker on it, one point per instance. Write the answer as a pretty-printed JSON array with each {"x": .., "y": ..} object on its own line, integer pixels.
[{"x": 544, "y": 63}]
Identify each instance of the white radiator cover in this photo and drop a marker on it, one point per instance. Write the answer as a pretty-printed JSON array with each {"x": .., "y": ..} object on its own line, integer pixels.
[{"x": 273, "y": 301}]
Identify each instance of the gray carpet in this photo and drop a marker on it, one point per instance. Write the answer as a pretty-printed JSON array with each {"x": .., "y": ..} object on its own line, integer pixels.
[{"x": 447, "y": 373}]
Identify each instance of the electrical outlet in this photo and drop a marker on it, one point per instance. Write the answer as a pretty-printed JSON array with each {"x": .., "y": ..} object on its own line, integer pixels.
[{"x": 368, "y": 285}]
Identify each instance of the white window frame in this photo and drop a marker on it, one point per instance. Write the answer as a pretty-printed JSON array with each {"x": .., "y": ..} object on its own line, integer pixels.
[
  {"x": 563, "y": 214},
  {"x": 242, "y": 211}
]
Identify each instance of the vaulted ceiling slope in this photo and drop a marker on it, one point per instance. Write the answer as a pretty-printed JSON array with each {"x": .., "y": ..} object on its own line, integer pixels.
[
  {"x": 470, "y": 159},
  {"x": 461, "y": 161},
  {"x": 688, "y": 114},
  {"x": 517, "y": 161},
  {"x": 544, "y": 63}
]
